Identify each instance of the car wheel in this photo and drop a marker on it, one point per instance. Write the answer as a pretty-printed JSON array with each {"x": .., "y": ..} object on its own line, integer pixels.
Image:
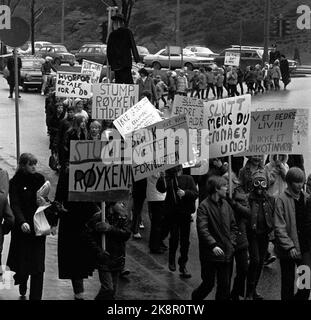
[
  {"x": 189, "y": 66},
  {"x": 57, "y": 62},
  {"x": 156, "y": 66}
]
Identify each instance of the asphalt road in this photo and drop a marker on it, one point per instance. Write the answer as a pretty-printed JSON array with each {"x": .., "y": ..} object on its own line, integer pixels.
[{"x": 150, "y": 277}]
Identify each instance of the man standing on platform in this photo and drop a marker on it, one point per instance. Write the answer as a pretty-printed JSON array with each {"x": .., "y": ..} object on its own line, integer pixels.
[{"x": 120, "y": 47}]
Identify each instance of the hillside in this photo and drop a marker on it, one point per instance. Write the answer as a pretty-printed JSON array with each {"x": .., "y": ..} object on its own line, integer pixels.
[{"x": 213, "y": 23}]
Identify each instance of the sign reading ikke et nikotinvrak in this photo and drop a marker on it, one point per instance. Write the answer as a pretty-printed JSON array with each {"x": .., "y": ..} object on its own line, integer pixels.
[
  {"x": 141, "y": 115},
  {"x": 160, "y": 146},
  {"x": 90, "y": 179},
  {"x": 111, "y": 100},
  {"x": 93, "y": 69},
  {"x": 228, "y": 123},
  {"x": 192, "y": 108},
  {"x": 271, "y": 132},
  {"x": 73, "y": 85}
]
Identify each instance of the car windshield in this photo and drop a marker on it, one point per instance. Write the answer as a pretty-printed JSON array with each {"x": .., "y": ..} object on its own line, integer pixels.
[
  {"x": 203, "y": 50},
  {"x": 60, "y": 49}
]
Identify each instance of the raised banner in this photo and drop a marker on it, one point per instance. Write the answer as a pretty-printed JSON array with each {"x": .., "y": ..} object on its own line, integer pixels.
[
  {"x": 228, "y": 124},
  {"x": 73, "y": 85},
  {"x": 192, "y": 108},
  {"x": 272, "y": 132},
  {"x": 300, "y": 134},
  {"x": 92, "y": 68},
  {"x": 111, "y": 100},
  {"x": 92, "y": 180},
  {"x": 141, "y": 115},
  {"x": 232, "y": 59},
  {"x": 160, "y": 146}
]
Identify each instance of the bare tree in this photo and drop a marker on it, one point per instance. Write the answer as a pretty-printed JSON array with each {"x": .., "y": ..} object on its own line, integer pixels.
[
  {"x": 13, "y": 4},
  {"x": 34, "y": 18}
]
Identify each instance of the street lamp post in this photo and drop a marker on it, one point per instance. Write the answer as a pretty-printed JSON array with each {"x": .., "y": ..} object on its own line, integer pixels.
[
  {"x": 63, "y": 22},
  {"x": 266, "y": 31}
]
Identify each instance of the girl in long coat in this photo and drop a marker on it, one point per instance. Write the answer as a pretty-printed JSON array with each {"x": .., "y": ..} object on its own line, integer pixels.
[
  {"x": 27, "y": 251},
  {"x": 75, "y": 259}
]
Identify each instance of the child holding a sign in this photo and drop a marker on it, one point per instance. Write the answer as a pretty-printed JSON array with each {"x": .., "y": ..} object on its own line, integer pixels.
[{"x": 111, "y": 260}]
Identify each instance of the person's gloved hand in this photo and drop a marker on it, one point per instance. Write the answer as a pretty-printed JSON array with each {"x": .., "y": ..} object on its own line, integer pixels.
[{"x": 103, "y": 227}]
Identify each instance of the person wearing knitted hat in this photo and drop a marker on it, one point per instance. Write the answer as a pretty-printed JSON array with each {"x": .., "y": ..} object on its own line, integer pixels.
[
  {"x": 292, "y": 220},
  {"x": 79, "y": 109},
  {"x": 259, "y": 226}
]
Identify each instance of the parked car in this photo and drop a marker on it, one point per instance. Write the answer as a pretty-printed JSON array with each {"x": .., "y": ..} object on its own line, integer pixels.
[
  {"x": 202, "y": 51},
  {"x": 27, "y": 50},
  {"x": 162, "y": 60},
  {"x": 59, "y": 53},
  {"x": 96, "y": 52},
  {"x": 250, "y": 56},
  {"x": 31, "y": 75},
  {"x": 142, "y": 51}
]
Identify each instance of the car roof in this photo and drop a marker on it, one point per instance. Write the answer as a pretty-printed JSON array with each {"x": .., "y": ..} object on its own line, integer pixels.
[{"x": 93, "y": 45}]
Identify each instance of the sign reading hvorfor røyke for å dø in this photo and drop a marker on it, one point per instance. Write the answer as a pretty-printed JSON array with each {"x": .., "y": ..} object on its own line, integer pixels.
[
  {"x": 73, "y": 85},
  {"x": 271, "y": 132},
  {"x": 90, "y": 179},
  {"x": 192, "y": 108},
  {"x": 232, "y": 59},
  {"x": 160, "y": 146},
  {"x": 111, "y": 100},
  {"x": 92, "y": 68},
  {"x": 228, "y": 124},
  {"x": 141, "y": 115}
]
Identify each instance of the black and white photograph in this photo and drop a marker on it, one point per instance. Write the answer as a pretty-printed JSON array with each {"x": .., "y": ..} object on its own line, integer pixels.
[{"x": 155, "y": 150}]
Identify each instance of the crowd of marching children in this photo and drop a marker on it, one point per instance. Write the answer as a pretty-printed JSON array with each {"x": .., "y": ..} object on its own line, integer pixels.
[{"x": 268, "y": 204}]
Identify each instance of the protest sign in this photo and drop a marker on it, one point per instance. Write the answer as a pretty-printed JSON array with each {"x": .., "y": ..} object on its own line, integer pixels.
[
  {"x": 300, "y": 132},
  {"x": 73, "y": 85},
  {"x": 111, "y": 100},
  {"x": 92, "y": 68},
  {"x": 232, "y": 59},
  {"x": 141, "y": 115},
  {"x": 271, "y": 132},
  {"x": 160, "y": 146},
  {"x": 228, "y": 122},
  {"x": 192, "y": 108},
  {"x": 90, "y": 179}
]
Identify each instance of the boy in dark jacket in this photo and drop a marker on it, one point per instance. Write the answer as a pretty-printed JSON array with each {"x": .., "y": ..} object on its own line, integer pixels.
[
  {"x": 217, "y": 232},
  {"x": 112, "y": 260},
  {"x": 259, "y": 226},
  {"x": 181, "y": 193}
]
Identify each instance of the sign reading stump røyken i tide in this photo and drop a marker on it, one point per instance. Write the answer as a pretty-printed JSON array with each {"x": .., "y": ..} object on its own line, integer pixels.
[
  {"x": 92, "y": 68},
  {"x": 73, "y": 85},
  {"x": 272, "y": 132},
  {"x": 90, "y": 179},
  {"x": 141, "y": 115},
  {"x": 228, "y": 123},
  {"x": 232, "y": 59},
  {"x": 160, "y": 146},
  {"x": 111, "y": 100}
]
